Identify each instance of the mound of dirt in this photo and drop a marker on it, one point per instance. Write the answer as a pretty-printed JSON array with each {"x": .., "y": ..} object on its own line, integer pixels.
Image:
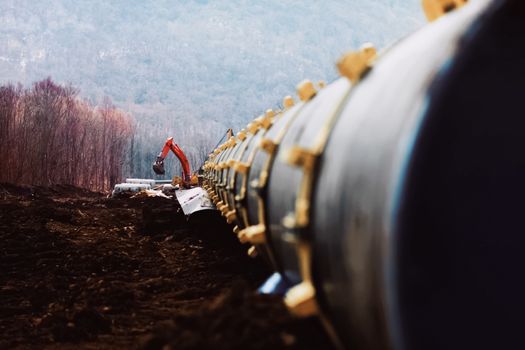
[
  {"x": 83, "y": 271},
  {"x": 237, "y": 319}
]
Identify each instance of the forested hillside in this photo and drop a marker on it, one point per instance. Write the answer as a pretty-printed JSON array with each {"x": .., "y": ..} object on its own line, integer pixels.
[{"x": 189, "y": 69}]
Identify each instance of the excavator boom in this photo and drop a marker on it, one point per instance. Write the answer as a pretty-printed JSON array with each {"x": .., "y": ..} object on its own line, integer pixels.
[{"x": 158, "y": 166}]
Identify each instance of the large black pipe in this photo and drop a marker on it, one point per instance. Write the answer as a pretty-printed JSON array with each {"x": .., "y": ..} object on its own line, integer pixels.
[{"x": 393, "y": 207}]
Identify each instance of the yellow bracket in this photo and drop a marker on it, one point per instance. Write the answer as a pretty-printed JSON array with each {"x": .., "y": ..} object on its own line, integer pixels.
[
  {"x": 352, "y": 66},
  {"x": 241, "y": 167},
  {"x": 300, "y": 299},
  {"x": 268, "y": 146},
  {"x": 230, "y": 216},
  {"x": 306, "y": 90},
  {"x": 255, "y": 234},
  {"x": 435, "y": 9},
  {"x": 244, "y": 167},
  {"x": 267, "y": 120},
  {"x": 238, "y": 167},
  {"x": 254, "y": 126},
  {"x": 252, "y": 252},
  {"x": 242, "y": 237},
  {"x": 301, "y": 157},
  {"x": 288, "y": 102},
  {"x": 222, "y": 207},
  {"x": 230, "y": 142},
  {"x": 241, "y": 135}
]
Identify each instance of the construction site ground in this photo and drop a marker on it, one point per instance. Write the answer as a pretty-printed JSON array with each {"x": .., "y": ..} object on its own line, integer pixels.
[{"x": 82, "y": 271}]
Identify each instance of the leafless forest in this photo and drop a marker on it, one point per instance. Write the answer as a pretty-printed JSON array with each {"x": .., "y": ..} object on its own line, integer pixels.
[{"x": 50, "y": 136}]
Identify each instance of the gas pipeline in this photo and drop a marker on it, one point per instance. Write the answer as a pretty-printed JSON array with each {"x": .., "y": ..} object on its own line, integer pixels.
[{"x": 390, "y": 201}]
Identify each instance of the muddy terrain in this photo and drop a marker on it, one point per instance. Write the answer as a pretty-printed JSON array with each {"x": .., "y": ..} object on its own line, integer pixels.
[{"x": 82, "y": 271}]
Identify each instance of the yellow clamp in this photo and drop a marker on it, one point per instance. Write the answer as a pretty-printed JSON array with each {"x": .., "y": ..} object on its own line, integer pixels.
[
  {"x": 436, "y": 8},
  {"x": 288, "y": 102},
  {"x": 253, "y": 234},
  {"x": 254, "y": 126},
  {"x": 267, "y": 145},
  {"x": 252, "y": 252},
  {"x": 241, "y": 135},
  {"x": 231, "y": 142},
  {"x": 354, "y": 64},
  {"x": 300, "y": 300},
  {"x": 224, "y": 209},
  {"x": 267, "y": 119},
  {"x": 241, "y": 167},
  {"x": 230, "y": 216},
  {"x": 300, "y": 157},
  {"x": 306, "y": 90}
]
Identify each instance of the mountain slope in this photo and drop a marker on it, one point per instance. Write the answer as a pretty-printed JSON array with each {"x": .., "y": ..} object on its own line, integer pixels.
[{"x": 208, "y": 64}]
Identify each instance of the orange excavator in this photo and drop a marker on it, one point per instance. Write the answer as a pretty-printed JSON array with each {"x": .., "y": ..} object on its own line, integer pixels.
[{"x": 158, "y": 166}]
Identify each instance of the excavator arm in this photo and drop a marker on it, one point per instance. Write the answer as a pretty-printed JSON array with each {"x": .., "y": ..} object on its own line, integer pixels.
[{"x": 158, "y": 166}]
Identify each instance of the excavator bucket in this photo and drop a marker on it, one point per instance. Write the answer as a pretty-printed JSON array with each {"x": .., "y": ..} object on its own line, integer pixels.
[{"x": 158, "y": 167}]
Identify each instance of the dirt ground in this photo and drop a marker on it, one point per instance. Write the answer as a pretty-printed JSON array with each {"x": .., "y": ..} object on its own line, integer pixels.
[{"x": 81, "y": 271}]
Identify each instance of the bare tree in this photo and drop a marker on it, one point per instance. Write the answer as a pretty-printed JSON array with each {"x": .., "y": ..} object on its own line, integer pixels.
[{"x": 49, "y": 136}]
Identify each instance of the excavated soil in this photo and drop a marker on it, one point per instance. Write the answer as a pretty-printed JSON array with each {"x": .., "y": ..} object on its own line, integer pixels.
[{"x": 81, "y": 271}]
